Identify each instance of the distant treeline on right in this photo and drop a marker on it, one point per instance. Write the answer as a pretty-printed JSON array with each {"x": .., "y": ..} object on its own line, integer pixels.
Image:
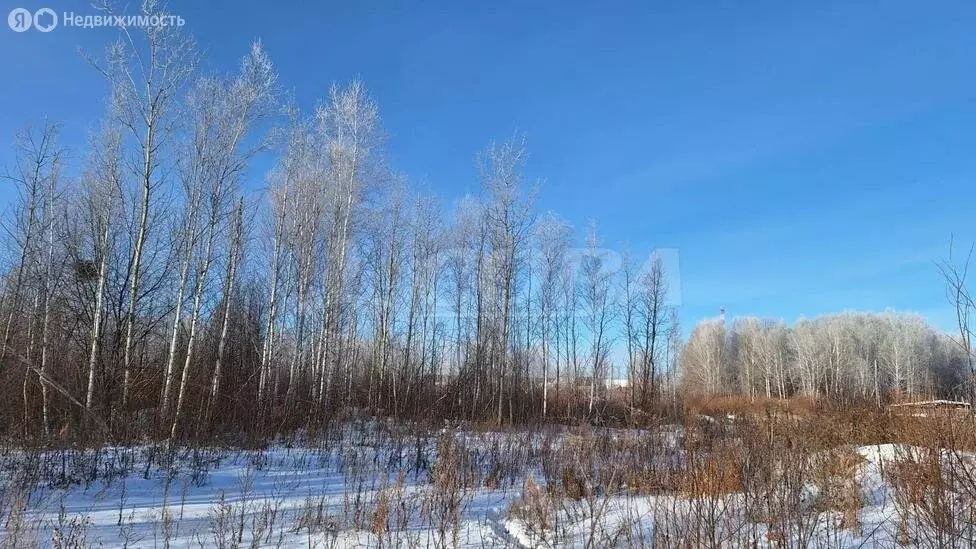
[{"x": 846, "y": 356}]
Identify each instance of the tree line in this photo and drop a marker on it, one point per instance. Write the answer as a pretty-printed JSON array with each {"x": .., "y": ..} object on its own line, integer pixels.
[
  {"x": 153, "y": 295},
  {"x": 867, "y": 357},
  {"x": 156, "y": 294}
]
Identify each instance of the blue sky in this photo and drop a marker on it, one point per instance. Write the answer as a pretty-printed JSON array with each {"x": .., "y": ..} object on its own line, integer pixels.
[{"x": 801, "y": 158}]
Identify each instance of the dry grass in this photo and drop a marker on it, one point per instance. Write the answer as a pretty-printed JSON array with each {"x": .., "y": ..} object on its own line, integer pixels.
[
  {"x": 713, "y": 474},
  {"x": 733, "y": 480},
  {"x": 721, "y": 406},
  {"x": 833, "y": 472}
]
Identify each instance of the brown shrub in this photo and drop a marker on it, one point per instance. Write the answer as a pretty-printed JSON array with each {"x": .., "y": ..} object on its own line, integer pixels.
[
  {"x": 574, "y": 484},
  {"x": 534, "y": 507},
  {"x": 649, "y": 482},
  {"x": 834, "y": 472},
  {"x": 493, "y": 477},
  {"x": 720, "y": 406},
  {"x": 380, "y": 520},
  {"x": 714, "y": 474}
]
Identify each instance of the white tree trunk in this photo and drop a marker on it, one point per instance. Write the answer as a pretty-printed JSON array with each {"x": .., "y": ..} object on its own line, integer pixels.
[
  {"x": 232, "y": 261},
  {"x": 96, "y": 331}
]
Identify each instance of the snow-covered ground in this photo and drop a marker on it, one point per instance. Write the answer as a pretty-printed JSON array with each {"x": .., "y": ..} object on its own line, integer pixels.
[{"x": 364, "y": 495}]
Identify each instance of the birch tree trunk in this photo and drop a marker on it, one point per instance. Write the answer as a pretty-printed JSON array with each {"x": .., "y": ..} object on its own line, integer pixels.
[
  {"x": 96, "y": 329},
  {"x": 233, "y": 259},
  {"x": 48, "y": 288},
  {"x": 189, "y": 240},
  {"x": 267, "y": 349}
]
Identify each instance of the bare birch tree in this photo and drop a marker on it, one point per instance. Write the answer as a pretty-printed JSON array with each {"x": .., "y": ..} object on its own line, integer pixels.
[
  {"x": 653, "y": 315},
  {"x": 222, "y": 113},
  {"x": 146, "y": 71},
  {"x": 553, "y": 238},
  {"x": 508, "y": 215},
  {"x": 37, "y": 164},
  {"x": 598, "y": 300}
]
